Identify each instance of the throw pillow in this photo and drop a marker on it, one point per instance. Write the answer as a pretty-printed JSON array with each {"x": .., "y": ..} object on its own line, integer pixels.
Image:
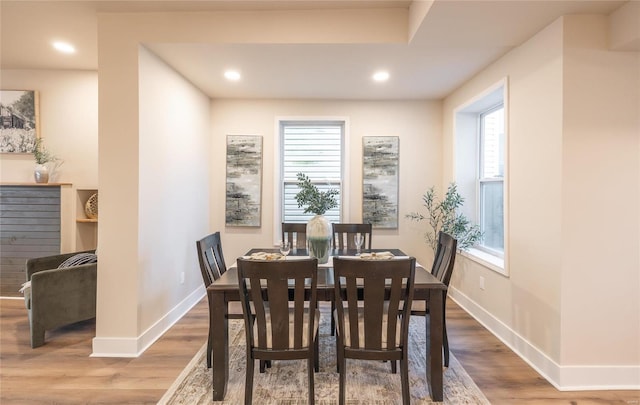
[{"x": 79, "y": 259}]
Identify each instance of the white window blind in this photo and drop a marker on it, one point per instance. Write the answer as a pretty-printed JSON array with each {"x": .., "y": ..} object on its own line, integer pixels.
[{"x": 315, "y": 149}]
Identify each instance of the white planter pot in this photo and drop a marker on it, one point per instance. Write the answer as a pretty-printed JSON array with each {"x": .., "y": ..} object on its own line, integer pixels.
[{"x": 41, "y": 173}]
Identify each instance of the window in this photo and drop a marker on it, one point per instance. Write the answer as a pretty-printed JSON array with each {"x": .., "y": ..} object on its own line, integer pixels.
[
  {"x": 314, "y": 148},
  {"x": 491, "y": 179},
  {"x": 481, "y": 156}
]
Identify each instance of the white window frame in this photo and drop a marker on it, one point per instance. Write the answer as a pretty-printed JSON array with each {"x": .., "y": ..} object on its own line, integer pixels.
[
  {"x": 466, "y": 157},
  {"x": 277, "y": 167}
]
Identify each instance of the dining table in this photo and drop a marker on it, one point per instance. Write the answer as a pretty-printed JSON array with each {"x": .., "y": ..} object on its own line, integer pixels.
[{"x": 426, "y": 287}]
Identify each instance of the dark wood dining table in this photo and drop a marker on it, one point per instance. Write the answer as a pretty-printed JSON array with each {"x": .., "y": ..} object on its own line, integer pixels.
[{"x": 427, "y": 288}]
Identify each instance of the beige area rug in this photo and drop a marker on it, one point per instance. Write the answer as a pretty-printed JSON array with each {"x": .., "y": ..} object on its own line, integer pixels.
[{"x": 286, "y": 382}]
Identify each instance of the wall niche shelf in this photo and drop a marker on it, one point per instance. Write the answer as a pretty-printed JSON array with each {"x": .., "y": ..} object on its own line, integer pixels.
[{"x": 86, "y": 228}]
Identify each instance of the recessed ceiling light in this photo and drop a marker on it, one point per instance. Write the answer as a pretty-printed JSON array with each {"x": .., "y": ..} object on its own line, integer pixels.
[
  {"x": 381, "y": 76},
  {"x": 64, "y": 47},
  {"x": 232, "y": 75}
]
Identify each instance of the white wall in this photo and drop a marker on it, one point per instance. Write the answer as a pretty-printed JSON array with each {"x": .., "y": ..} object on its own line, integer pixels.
[
  {"x": 573, "y": 126},
  {"x": 600, "y": 198},
  {"x": 155, "y": 174},
  {"x": 416, "y": 123},
  {"x": 175, "y": 135},
  {"x": 528, "y": 301}
]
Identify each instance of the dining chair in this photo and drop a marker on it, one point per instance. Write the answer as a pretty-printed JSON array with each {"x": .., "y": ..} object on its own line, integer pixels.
[
  {"x": 280, "y": 325},
  {"x": 343, "y": 235},
  {"x": 343, "y": 238},
  {"x": 442, "y": 269},
  {"x": 295, "y": 232},
  {"x": 212, "y": 266},
  {"x": 373, "y": 325}
]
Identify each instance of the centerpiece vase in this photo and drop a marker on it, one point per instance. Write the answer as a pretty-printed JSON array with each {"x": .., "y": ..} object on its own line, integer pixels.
[{"x": 319, "y": 238}]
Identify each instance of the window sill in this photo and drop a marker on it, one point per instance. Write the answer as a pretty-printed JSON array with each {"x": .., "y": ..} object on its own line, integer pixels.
[{"x": 485, "y": 259}]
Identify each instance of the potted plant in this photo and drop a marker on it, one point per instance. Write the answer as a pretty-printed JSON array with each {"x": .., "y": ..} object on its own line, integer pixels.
[
  {"x": 442, "y": 216},
  {"x": 42, "y": 156},
  {"x": 318, "y": 228}
]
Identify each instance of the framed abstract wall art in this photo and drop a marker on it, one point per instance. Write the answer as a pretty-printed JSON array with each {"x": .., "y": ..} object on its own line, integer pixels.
[
  {"x": 244, "y": 180},
  {"x": 19, "y": 116},
  {"x": 380, "y": 164}
]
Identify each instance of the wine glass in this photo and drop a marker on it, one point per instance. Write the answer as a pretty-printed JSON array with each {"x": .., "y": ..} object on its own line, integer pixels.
[
  {"x": 358, "y": 239},
  {"x": 285, "y": 248}
]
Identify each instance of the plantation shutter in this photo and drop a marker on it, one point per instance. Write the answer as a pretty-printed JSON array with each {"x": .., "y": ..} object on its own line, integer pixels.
[{"x": 315, "y": 149}]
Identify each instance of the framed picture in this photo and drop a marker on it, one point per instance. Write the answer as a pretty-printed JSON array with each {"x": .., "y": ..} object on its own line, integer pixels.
[
  {"x": 19, "y": 116},
  {"x": 380, "y": 159},
  {"x": 244, "y": 180}
]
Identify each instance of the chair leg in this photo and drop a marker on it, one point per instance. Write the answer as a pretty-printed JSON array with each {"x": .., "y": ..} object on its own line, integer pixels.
[
  {"x": 394, "y": 367},
  {"x": 343, "y": 371},
  {"x": 404, "y": 378},
  {"x": 263, "y": 365},
  {"x": 310, "y": 371},
  {"x": 316, "y": 356},
  {"x": 445, "y": 343},
  {"x": 248, "y": 386},
  {"x": 209, "y": 350},
  {"x": 338, "y": 354},
  {"x": 333, "y": 320}
]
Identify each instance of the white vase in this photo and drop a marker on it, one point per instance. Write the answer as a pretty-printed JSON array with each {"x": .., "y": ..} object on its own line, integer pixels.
[
  {"x": 41, "y": 173},
  {"x": 319, "y": 238}
]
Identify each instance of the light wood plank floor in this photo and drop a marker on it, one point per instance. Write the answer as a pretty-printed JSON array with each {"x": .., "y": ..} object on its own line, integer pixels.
[{"x": 61, "y": 371}]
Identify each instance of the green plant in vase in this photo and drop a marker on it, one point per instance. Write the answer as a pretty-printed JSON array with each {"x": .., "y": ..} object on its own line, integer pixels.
[
  {"x": 42, "y": 156},
  {"x": 318, "y": 228}
]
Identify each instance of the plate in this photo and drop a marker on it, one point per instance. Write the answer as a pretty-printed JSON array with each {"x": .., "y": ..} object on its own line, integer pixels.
[
  {"x": 377, "y": 256},
  {"x": 265, "y": 256}
]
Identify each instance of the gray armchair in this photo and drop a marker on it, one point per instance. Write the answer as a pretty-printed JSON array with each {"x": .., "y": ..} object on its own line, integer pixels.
[{"x": 58, "y": 297}]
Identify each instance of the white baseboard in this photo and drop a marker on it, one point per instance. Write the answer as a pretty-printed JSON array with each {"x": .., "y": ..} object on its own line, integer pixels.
[
  {"x": 134, "y": 347},
  {"x": 564, "y": 378}
]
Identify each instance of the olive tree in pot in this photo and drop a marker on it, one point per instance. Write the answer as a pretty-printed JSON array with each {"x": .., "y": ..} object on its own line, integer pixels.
[
  {"x": 442, "y": 216},
  {"x": 318, "y": 228}
]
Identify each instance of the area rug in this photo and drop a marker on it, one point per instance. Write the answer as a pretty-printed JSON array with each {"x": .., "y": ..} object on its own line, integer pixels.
[{"x": 285, "y": 383}]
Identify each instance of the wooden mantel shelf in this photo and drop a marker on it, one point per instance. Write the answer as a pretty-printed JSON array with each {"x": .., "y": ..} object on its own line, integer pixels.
[{"x": 35, "y": 184}]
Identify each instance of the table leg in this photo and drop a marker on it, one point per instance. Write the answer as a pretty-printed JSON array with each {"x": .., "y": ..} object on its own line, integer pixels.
[
  {"x": 220, "y": 330},
  {"x": 435, "y": 333}
]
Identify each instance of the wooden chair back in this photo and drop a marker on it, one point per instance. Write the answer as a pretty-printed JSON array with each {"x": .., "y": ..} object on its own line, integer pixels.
[
  {"x": 279, "y": 302},
  {"x": 210, "y": 257},
  {"x": 295, "y": 233},
  {"x": 373, "y": 316},
  {"x": 445, "y": 258},
  {"x": 212, "y": 266},
  {"x": 343, "y": 235}
]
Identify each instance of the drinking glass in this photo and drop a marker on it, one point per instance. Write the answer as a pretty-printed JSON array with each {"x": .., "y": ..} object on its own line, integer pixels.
[
  {"x": 285, "y": 248},
  {"x": 358, "y": 239}
]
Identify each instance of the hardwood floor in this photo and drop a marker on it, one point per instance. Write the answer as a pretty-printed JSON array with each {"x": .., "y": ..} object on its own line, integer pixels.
[{"x": 61, "y": 371}]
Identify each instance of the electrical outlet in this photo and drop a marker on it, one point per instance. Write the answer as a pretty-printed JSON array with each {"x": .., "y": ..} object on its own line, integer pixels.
[
  {"x": 481, "y": 283},
  {"x": 182, "y": 278}
]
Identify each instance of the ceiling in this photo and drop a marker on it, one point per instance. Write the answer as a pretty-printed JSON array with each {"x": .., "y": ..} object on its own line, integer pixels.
[{"x": 456, "y": 39}]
